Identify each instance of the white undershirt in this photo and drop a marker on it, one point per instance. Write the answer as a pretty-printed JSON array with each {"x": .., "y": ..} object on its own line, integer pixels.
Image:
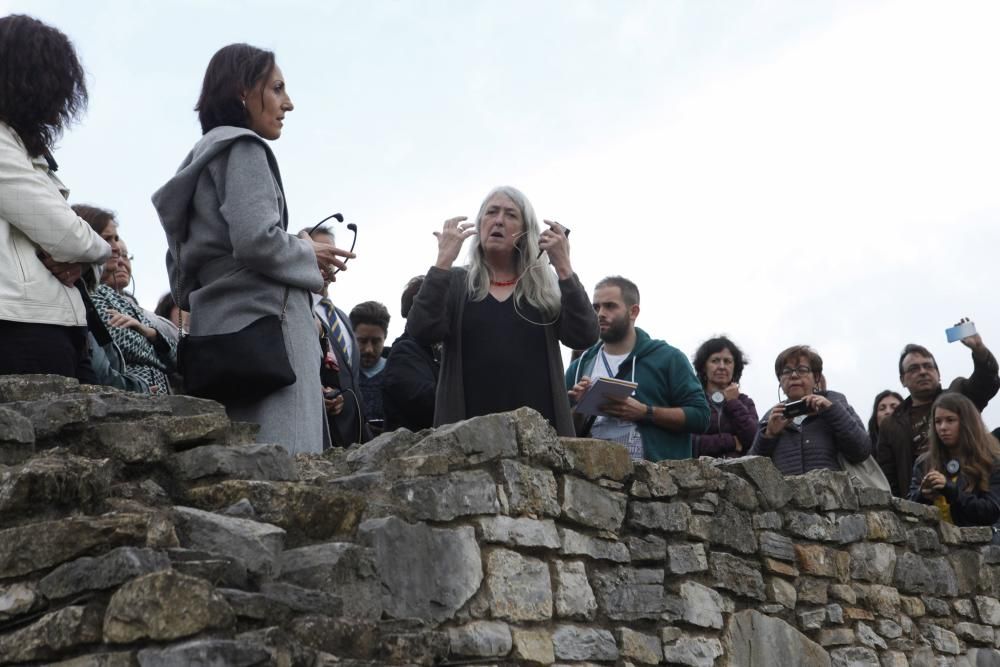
[{"x": 617, "y": 430}]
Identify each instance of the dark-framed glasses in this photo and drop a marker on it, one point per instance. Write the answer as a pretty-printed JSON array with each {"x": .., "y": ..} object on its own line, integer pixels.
[{"x": 800, "y": 371}]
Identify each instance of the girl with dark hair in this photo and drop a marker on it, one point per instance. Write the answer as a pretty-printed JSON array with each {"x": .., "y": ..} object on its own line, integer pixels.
[
  {"x": 44, "y": 247},
  {"x": 885, "y": 404},
  {"x": 732, "y": 423},
  {"x": 230, "y": 258},
  {"x": 959, "y": 472}
]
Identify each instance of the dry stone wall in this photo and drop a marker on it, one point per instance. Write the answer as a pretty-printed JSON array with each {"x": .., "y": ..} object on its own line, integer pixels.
[{"x": 147, "y": 531}]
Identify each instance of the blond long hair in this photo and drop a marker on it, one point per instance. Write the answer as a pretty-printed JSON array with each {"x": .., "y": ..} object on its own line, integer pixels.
[
  {"x": 536, "y": 285},
  {"x": 978, "y": 451}
]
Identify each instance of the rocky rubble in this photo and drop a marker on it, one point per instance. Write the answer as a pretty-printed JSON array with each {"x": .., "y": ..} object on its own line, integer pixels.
[{"x": 152, "y": 531}]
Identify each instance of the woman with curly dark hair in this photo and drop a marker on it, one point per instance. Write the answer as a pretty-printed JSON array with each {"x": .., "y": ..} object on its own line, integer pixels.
[
  {"x": 733, "y": 421},
  {"x": 44, "y": 246}
]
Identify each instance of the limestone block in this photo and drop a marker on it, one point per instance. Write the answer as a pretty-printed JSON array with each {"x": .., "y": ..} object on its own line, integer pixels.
[
  {"x": 257, "y": 606},
  {"x": 652, "y": 480},
  {"x": 520, "y": 532},
  {"x": 52, "y": 634},
  {"x": 106, "y": 571},
  {"x": 305, "y": 511},
  {"x": 776, "y": 545},
  {"x": 181, "y": 431},
  {"x": 781, "y": 591},
  {"x": 989, "y": 609},
  {"x": 595, "y": 458},
  {"x": 519, "y": 587},
  {"x": 702, "y": 605},
  {"x": 983, "y": 657},
  {"x": 17, "y": 599},
  {"x": 482, "y": 639},
  {"x": 590, "y": 505},
  {"x": 980, "y": 634},
  {"x": 777, "y": 567},
  {"x": 990, "y": 554},
  {"x": 669, "y": 517},
  {"x": 446, "y": 562},
  {"x": 578, "y": 544},
  {"x": 530, "y": 490},
  {"x": 871, "y": 497},
  {"x": 767, "y": 521},
  {"x": 17, "y": 437},
  {"x": 574, "y": 597},
  {"x": 128, "y": 442},
  {"x": 445, "y": 497},
  {"x": 967, "y": 565},
  {"x": 771, "y": 485},
  {"x": 259, "y": 462},
  {"x": 918, "y": 510},
  {"x": 883, "y": 600},
  {"x": 345, "y": 569},
  {"x": 835, "y": 614},
  {"x": 937, "y": 606},
  {"x": 696, "y": 474},
  {"x": 729, "y": 527},
  {"x": 923, "y": 539},
  {"x": 867, "y": 636},
  {"x": 537, "y": 440},
  {"x": 885, "y": 527},
  {"x": 693, "y": 651},
  {"x": 888, "y": 629},
  {"x": 915, "y": 574},
  {"x": 571, "y": 642},
  {"x": 753, "y": 639},
  {"x": 303, "y": 600},
  {"x": 911, "y": 606},
  {"x": 629, "y": 594},
  {"x": 376, "y": 454},
  {"x": 647, "y": 547},
  {"x": 812, "y": 590},
  {"x": 213, "y": 652},
  {"x": 854, "y": 656},
  {"x": 41, "y": 545},
  {"x": 810, "y": 526},
  {"x": 472, "y": 441},
  {"x": 163, "y": 606},
  {"x": 737, "y": 575},
  {"x": 220, "y": 569},
  {"x": 820, "y": 561},
  {"x": 740, "y": 492},
  {"x": 533, "y": 647},
  {"x": 255, "y": 544},
  {"x": 647, "y": 649},
  {"x": 687, "y": 558},
  {"x": 117, "y": 659},
  {"x": 975, "y": 534},
  {"x": 844, "y": 593},
  {"x": 942, "y": 640},
  {"x": 851, "y": 528},
  {"x": 56, "y": 479},
  {"x": 873, "y": 562},
  {"x": 835, "y": 636},
  {"x": 950, "y": 534},
  {"x": 34, "y": 387},
  {"x": 812, "y": 619}
]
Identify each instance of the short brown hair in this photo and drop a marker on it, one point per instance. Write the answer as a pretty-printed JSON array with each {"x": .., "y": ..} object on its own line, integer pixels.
[
  {"x": 796, "y": 352},
  {"x": 629, "y": 290}
]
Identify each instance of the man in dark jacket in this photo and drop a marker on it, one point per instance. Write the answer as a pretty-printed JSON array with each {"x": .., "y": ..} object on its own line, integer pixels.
[
  {"x": 903, "y": 434},
  {"x": 669, "y": 403},
  {"x": 410, "y": 376}
]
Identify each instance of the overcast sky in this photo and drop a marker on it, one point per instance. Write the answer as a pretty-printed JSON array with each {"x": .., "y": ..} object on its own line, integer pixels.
[{"x": 782, "y": 171}]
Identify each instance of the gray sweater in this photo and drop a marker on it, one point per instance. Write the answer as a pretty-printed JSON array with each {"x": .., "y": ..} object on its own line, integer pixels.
[{"x": 816, "y": 442}]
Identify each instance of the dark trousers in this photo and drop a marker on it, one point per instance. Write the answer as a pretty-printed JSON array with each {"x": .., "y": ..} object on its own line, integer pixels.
[{"x": 27, "y": 348}]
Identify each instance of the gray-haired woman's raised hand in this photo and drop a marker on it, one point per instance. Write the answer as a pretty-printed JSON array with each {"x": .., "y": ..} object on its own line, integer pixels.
[{"x": 450, "y": 240}]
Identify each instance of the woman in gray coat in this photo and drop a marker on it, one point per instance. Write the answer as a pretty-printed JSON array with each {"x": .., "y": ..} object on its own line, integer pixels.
[
  {"x": 813, "y": 426},
  {"x": 230, "y": 259}
]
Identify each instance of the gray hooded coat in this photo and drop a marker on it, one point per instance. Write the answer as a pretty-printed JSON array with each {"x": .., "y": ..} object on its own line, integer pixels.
[{"x": 230, "y": 260}]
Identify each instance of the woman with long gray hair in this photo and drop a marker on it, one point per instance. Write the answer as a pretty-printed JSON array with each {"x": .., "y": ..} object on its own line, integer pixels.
[{"x": 501, "y": 317}]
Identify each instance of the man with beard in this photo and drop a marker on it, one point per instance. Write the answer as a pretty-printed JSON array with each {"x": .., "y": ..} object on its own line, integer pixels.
[
  {"x": 903, "y": 435},
  {"x": 657, "y": 421}
]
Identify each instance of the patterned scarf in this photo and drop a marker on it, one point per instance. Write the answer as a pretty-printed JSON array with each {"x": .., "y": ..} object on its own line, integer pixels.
[{"x": 141, "y": 358}]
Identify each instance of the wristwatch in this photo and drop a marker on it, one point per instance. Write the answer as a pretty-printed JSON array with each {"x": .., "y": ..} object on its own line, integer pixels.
[{"x": 649, "y": 414}]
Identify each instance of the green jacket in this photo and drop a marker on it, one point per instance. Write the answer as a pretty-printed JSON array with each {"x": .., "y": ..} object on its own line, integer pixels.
[{"x": 665, "y": 379}]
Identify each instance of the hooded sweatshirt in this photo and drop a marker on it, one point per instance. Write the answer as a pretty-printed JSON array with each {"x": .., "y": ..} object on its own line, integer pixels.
[{"x": 666, "y": 379}]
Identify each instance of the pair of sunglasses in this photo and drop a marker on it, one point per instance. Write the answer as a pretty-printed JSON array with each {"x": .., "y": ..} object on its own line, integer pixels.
[{"x": 339, "y": 218}]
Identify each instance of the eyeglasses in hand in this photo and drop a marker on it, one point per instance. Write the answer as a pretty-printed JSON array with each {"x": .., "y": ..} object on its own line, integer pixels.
[{"x": 351, "y": 226}]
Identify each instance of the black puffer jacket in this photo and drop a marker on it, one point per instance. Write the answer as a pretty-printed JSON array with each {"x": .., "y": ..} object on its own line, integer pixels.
[{"x": 815, "y": 443}]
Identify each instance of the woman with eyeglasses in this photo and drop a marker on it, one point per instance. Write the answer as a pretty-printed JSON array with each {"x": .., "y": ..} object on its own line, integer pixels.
[
  {"x": 44, "y": 246},
  {"x": 808, "y": 430},
  {"x": 146, "y": 354},
  {"x": 732, "y": 424},
  {"x": 959, "y": 471},
  {"x": 231, "y": 261},
  {"x": 501, "y": 317}
]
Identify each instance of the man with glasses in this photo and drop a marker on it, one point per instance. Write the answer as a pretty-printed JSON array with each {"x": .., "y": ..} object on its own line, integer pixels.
[{"x": 903, "y": 434}]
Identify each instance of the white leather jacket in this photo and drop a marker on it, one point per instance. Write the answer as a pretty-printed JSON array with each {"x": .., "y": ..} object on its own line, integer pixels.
[{"x": 34, "y": 215}]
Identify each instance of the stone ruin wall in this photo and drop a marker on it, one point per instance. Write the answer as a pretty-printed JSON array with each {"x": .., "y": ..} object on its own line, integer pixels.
[{"x": 142, "y": 530}]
